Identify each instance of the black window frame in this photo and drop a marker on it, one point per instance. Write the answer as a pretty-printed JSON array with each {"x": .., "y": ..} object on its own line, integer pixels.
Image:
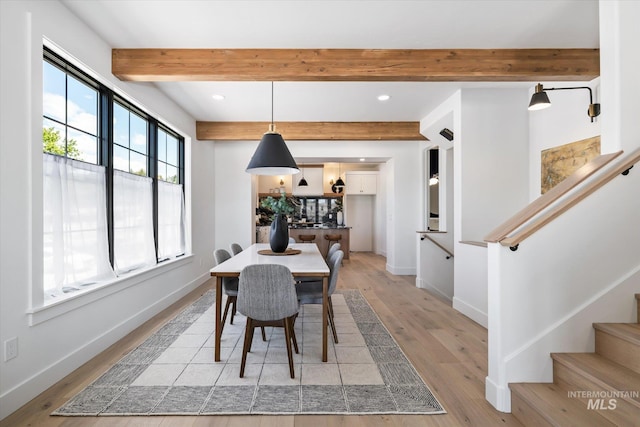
[{"x": 105, "y": 141}]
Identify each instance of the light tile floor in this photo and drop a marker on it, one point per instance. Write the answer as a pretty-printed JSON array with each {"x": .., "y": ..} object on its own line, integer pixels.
[
  {"x": 173, "y": 370},
  {"x": 189, "y": 359}
]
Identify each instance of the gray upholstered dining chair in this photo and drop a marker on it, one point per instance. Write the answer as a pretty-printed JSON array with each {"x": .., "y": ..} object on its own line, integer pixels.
[
  {"x": 230, "y": 288},
  {"x": 310, "y": 292},
  {"x": 267, "y": 296},
  {"x": 333, "y": 249},
  {"x": 235, "y": 249}
]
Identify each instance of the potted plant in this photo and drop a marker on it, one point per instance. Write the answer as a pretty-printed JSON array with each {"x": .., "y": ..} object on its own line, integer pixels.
[{"x": 279, "y": 232}]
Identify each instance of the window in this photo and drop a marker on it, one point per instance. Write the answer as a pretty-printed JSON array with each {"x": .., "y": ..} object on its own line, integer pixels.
[
  {"x": 76, "y": 248},
  {"x": 130, "y": 141},
  {"x": 70, "y": 115},
  {"x": 113, "y": 183}
]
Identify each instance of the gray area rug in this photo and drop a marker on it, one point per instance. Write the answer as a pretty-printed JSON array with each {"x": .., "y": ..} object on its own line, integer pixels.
[{"x": 173, "y": 372}]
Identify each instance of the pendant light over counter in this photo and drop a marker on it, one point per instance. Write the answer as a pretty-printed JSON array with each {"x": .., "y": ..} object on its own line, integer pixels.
[
  {"x": 303, "y": 182},
  {"x": 339, "y": 183},
  {"x": 272, "y": 157}
]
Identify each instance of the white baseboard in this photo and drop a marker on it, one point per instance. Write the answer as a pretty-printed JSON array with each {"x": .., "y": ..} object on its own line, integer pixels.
[
  {"x": 401, "y": 271},
  {"x": 499, "y": 397},
  {"x": 471, "y": 312},
  {"x": 425, "y": 285},
  {"x": 22, "y": 393}
]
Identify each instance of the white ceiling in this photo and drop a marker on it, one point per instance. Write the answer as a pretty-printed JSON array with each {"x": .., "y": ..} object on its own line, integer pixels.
[{"x": 334, "y": 24}]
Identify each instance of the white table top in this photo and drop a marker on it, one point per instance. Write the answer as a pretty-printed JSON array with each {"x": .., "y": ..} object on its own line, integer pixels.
[{"x": 310, "y": 261}]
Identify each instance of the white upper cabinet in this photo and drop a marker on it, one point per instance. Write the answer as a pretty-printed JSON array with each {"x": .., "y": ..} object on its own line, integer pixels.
[
  {"x": 313, "y": 176},
  {"x": 361, "y": 183}
]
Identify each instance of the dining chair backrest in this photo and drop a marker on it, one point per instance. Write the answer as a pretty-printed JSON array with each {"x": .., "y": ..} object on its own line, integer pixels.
[
  {"x": 333, "y": 249},
  {"x": 334, "y": 267},
  {"x": 235, "y": 248},
  {"x": 267, "y": 292},
  {"x": 229, "y": 284}
]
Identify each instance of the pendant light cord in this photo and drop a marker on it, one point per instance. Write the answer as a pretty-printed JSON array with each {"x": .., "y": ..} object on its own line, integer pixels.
[{"x": 271, "y": 103}]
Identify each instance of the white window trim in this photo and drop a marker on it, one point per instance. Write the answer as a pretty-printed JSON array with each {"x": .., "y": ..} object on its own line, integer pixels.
[{"x": 81, "y": 298}]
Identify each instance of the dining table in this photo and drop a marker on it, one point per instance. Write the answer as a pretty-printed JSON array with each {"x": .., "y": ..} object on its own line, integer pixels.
[{"x": 302, "y": 259}]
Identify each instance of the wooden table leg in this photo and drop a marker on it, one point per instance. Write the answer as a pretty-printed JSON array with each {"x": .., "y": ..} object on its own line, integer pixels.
[
  {"x": 325, "y": 311},
  {"x": 218, "y": 317}
]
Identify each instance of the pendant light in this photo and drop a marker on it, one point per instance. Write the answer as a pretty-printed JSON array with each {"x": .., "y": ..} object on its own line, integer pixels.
[
  {"x": 339, "y": 183},
  {"x": 272, "y": 157},
  {"x": 303, "y": 182}
]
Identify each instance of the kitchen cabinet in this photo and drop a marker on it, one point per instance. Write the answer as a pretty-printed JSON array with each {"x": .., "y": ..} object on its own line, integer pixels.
[{"x": 361, "y": 183}]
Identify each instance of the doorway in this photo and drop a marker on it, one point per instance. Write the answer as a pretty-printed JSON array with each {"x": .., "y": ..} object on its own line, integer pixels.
[{"x": 360, "y": 217}]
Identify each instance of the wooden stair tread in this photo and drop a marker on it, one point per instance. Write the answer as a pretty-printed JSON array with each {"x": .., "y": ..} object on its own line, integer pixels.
[
  {"x": 553, "y": 404},
  {"x": 607, "y": 374},
  {"x": 627, "y": 331}
]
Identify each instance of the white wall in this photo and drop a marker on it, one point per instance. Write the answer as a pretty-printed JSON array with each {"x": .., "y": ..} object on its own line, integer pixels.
[
  {"x": 493, "y": 159},
  {"x": 435, "y": 271},
  {"x": 491, "y": 182},
  {"x": 435, "y": 268},
  {"x": 564, "y": 122},
  {"x": 77, "y": 331},
  {"x": 399, "y": 184},
  {"x": 583, "y": 267}
]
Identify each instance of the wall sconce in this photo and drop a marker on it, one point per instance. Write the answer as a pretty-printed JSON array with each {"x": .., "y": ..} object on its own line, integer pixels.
[{"x": 540, "y": 99}]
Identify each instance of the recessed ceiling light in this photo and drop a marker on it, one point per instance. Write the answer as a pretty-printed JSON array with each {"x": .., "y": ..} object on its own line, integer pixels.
[
  {"x": 362, "y": 160},
  {"x": 217, "y": 97},
  {"x": 383, "y": 97}
]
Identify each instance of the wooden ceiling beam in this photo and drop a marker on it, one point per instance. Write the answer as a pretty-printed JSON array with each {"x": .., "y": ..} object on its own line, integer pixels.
[
  {"x": 418, "y": 65},
  {"x": 311, "y": 131}
]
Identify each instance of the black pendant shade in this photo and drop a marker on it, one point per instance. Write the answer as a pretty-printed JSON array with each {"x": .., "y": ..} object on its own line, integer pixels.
[
  {"x": 539, "y": 99},
  {"x": 272, "y": 157},
  {"x": 339, "y": 183},
  {"x": 303, "y": 183}
]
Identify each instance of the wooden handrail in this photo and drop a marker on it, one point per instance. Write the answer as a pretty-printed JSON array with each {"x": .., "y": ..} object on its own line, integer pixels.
[
  {"x": 425, "y": 235},
  {"x": 473, "y": 243},
  {"x": 549, "y": 197},
  {"x": 590, "y": 188}
]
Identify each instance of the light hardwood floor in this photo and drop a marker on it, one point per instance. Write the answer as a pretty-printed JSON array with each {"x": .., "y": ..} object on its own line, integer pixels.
[{"x": 448, "y": 350}]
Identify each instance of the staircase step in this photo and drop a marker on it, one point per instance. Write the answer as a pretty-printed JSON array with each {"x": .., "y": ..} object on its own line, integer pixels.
[
  {"x": 619, "y": 342},
  {"x": 546, "y": 404},
  {"x": 591, "y": 373}
]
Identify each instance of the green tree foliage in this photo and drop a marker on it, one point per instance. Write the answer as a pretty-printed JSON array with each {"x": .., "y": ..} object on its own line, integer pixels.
[{"x": 52, "y": 144}]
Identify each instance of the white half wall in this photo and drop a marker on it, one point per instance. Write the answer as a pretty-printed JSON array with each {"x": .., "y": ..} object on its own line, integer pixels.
[{"x": 490, "y": 180}]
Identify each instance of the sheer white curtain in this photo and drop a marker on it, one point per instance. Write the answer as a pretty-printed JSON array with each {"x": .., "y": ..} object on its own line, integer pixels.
[
  {"x": 133, "y": 222},
  {"x": 76, "y": 248},
  {"x": 171, "y": 220}
]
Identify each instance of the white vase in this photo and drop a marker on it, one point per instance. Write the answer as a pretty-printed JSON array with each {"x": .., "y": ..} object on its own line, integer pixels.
[{"x": 340, "y": 218}]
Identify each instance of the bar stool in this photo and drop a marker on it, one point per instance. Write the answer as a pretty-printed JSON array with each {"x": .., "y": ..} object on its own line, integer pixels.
[
  {"x": 307, "y": 238},
  {"x": 332, "y": 238}
]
